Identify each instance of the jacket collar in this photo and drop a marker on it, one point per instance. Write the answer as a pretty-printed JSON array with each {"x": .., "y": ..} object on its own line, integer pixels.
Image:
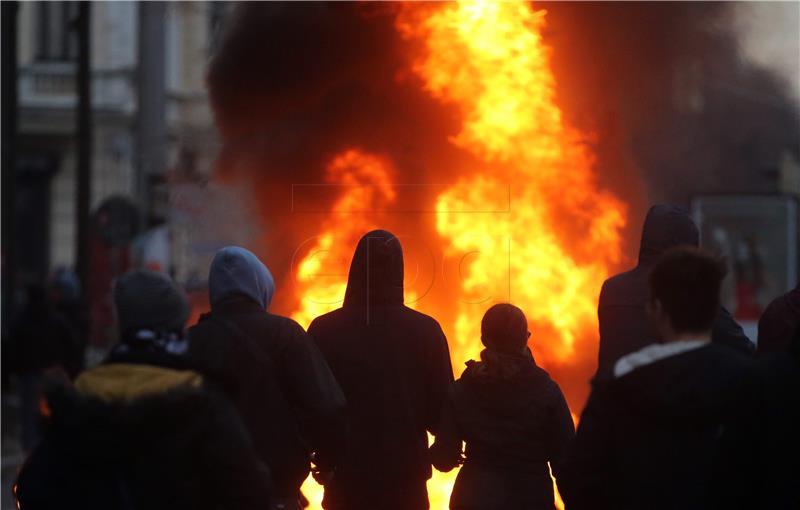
[
  {"x": 652, "y": 353},
  {"x": 236, "y": 305},
  {"x": 126, "y": 382}
]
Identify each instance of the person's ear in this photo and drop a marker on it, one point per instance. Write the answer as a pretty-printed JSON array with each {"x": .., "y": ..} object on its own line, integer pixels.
[{"x": 654, "y": 309}]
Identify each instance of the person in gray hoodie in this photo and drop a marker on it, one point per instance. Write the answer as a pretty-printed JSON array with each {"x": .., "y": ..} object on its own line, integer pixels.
[{"x": 272, "y": 370}]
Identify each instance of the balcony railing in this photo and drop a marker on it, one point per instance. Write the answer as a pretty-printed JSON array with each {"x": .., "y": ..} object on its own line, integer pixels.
[{"x": 53, "y": 85}]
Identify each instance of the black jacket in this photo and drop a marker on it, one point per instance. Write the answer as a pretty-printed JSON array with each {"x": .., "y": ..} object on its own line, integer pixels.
[
  {"x": 41, "y": 338},
  {"x": 779, "y": 322},
  {"x": 653, "y": 438},
  {"x": 514, "y": 420},
  {"x": 775, "y": 422},
  {"x": 138, "y": 436},
  {"x": 622, "y": 309},
  {"x": 393, "y": 364},
  {"x": 280, "y": 384}
]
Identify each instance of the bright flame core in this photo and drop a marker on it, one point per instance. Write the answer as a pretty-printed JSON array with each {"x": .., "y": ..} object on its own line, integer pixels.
[
  {"x": 528, "y": 220},
  {"x": 489, "y": 59}
]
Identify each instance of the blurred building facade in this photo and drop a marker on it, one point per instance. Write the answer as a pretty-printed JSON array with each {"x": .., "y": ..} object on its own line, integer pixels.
[{"x": 47, "y": 99}]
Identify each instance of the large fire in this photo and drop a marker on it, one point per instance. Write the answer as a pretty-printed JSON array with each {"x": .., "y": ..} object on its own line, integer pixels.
[{"x": 527, "y": 221}]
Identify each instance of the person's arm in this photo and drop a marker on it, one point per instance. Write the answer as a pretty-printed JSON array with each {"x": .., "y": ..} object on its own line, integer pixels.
[
  {"x": 228, "y": 453},
  {"x": 584, "y": 476},
  {"x": 439, "y": 379},
  {"x": 316, "y": 396},
  {"x": 560, "y": 430},
  {"x": 446, "y": 449}
]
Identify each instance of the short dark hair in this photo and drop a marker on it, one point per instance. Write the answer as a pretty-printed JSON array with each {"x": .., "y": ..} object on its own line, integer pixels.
[{"x": 686, "y": 281}]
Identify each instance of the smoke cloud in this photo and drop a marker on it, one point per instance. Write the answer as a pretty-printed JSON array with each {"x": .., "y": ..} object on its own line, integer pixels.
[{"x": 670, "y": 95}]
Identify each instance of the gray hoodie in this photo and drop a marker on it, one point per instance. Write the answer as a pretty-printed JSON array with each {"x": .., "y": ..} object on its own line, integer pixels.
[{"x": 236, "y": 271}]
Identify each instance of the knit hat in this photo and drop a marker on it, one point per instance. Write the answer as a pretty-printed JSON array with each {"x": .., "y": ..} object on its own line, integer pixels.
[
  {"x": 504, "y": 328},
  {"x": 148, "y": 300}
]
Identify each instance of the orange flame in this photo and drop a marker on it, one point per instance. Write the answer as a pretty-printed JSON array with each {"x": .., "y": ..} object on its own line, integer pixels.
[
  {"x": 529, "y": 221},
  {"x": 489, "y": 59},
  {"x": 366, "y": 183}
]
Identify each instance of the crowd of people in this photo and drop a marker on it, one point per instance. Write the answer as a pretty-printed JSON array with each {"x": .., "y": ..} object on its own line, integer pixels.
[{"x": 237, "y": 410}]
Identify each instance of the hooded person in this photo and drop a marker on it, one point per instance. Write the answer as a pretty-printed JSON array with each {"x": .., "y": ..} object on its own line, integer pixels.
[
  {"x": 141, "y": 430},
  {"x": 621, "y": 311},
  {"x": 512, "y": 417},
  {"x": 67, "y": 297},
  {"x": 394, "y": 366},
  {"x": 669, "y": 429},
  {"x": 41, "y": 343},
  {"x": 272, "y": 371}
]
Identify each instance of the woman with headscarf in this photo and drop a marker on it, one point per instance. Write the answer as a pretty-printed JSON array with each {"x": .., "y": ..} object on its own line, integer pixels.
[
  {"x": 513, "y": 419},
  {"x": 272, "y": 370},
  {"x": 141, "y": 430}
]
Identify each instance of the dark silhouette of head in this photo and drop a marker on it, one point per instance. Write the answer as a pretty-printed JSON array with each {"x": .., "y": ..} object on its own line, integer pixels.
[
  {"x": 376, "y": 272},
  {"x": 684, "y": 288},
  {"x": 148, "y": 300},
  {"x": 666, "y": 226},
  {"x": 504, "y": 328}
]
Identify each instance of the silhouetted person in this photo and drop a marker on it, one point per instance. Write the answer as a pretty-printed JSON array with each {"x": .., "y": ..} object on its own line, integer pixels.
[
  {"x": 272, "y": 370},
  {"x": 651, "y": 436},
  {"x": 41, "y": 342},
  {"x": 624, "y": 326},
  {"x": 140, "y": 430},
  {"x": 777, "y": 417},
  {"x": 779, "y": 322},
  {"x": 394, "y": 367},
  {"x": 513, "y": 418},
  {"x": 67, "y": 298}
]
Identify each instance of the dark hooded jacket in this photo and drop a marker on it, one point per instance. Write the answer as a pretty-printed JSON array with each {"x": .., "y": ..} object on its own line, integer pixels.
[
  {"x": 394, "y": 367},
  {"x": 654, "y": 437},
  {"x": 271, "y": 369},
  {"x": 779, "y": 322},
  {"x": 622, "y": 308},
  {"x": 514, "y": 420},
  {"x": 775, "y": 423},
  {"x": 133, "y": 435}
]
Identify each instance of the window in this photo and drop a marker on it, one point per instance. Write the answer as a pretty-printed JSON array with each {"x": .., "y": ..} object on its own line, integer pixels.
[{"x": 56, "y": 38}]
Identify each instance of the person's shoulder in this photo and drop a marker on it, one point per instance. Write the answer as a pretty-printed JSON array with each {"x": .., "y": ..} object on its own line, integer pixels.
[
  {"x": 283, "y": 327},
  {"x": 725, "y": 355},
  {"x": 623, "y": 276},
  {"x": 723, "y": 362},
  {"x": 540, "y": 382},
  {"x": 283, "y": 320},
  {"x": 320, "y": 323},
  {"x": 421, "y": 319},
  {"x": 620, "y": 280},
  {"x": 205, "y": 327},
  {"x": 624, "y": 289}
]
